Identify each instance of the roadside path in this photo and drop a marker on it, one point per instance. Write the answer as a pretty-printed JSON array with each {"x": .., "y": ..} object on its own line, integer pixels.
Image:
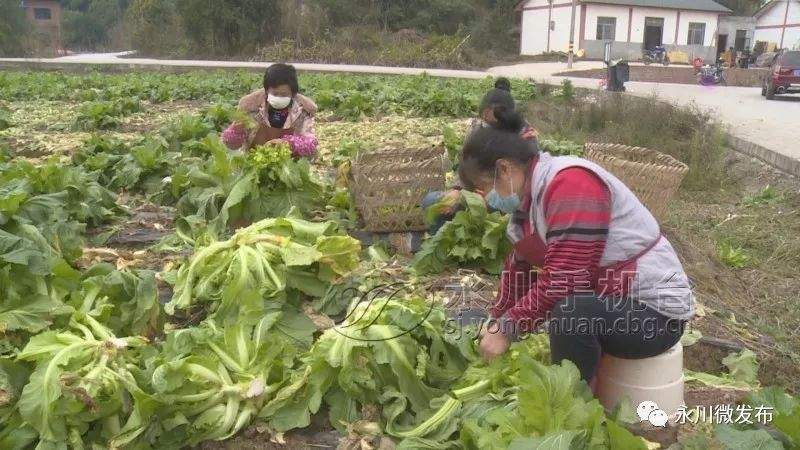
[{"x": 774, "y": 126}]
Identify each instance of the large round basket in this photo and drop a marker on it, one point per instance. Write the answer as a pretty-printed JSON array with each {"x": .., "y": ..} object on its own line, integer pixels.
[
  {"x": 653, "y": 176},
  {"x": 388, "y": 186}
]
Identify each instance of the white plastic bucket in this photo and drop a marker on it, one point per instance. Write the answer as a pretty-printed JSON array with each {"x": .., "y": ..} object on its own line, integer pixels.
[{"x": 658, "y": 379}]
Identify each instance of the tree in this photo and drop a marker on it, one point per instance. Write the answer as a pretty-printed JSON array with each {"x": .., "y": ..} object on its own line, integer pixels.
[
  {"x": 228, "y": 27},
  {"x": 14, "y": 29},
  {"x": 743, "y": 7},
  {"x": 154, "y": 27},
  {"x": 87, "y": 24},
  {"x": 495, "y": 28}
]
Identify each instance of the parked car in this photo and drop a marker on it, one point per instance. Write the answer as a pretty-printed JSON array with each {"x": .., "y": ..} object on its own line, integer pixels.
[
  {"x": 765, "y": 59},
  {"x": 784, "y": 76}
]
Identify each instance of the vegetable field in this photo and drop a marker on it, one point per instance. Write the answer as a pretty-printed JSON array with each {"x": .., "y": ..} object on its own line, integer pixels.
[{"x": 158, "y": 291}]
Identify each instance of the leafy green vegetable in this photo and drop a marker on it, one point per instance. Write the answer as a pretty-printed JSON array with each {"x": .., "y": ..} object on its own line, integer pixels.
[
  {"x": 5, "y": 119},
  {"x": 742, "y": 366},
  {"x": 734, "y": 439},
  {"x": 125, "y": 301},
  {"x": 34, "y": 279},
  {"x": 211, "y": 382},
  {"x": 341, "y": 208},
  {"x": 545, "y": 406},
  {"x": 742, "y": 372},
  {"x": 560, "y": 147},
  {"x": 453, "y": 142},
  {"x": 389, "y": 352},
  {"x": 105, "y": 115},
  {"x": 786, "y": 411},
  {"x": 77, "y": 380},
  {"x": 269, "y": 157},
  {"x": 474, "y": 238},
  {"x": 231, "y": 188},
  {"x": 265, "y": 263},
  {"x": 373, "y": 278},
  {"x": 732, "y": 255},
  {"x": 346, "y": 96}
]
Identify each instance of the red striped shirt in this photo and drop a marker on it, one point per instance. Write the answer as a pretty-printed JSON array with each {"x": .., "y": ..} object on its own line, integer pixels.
[{"x": 577, "y": 208}]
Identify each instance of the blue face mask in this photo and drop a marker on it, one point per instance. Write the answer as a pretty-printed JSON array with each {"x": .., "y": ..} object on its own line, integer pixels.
[{"x": 496, "y": 201}]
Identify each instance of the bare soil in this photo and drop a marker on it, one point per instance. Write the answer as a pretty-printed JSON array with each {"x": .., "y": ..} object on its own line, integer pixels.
[{"x": 755, "y": 306}]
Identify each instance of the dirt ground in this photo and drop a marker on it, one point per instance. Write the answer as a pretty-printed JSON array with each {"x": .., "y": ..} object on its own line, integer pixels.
[{"x": 754, "y": 306}]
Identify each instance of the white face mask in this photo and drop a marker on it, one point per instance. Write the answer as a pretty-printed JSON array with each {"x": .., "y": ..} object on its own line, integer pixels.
[{"x": 278, "y": 102}]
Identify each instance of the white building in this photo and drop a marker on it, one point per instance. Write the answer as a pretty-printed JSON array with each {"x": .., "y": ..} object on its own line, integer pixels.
[
  {"x": 779, "y": 22},
  {"x": 686, "y": 25}
]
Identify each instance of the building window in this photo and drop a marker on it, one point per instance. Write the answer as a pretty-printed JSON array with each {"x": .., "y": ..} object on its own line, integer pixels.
[
  {"x": 42, "y": 14},
  {"x": 606, "y": 28},
  {"x": 697, "y": 34}
]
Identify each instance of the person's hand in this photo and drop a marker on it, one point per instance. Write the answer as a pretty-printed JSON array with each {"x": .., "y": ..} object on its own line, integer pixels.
[
  {"x": 493, "y": 345},
  {"x": 452, "y": 197},
  {"x": 530, "y": 133}
]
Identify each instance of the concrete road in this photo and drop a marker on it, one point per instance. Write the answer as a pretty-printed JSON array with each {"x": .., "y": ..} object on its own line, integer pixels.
[
  {"x": 743, "y": 111},
  {"x": 774, "y": 125}
]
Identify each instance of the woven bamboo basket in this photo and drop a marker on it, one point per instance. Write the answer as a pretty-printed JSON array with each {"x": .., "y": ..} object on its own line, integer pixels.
[
  {"x": 653, "y": 176},
  {"x": 388, "y": 186}
]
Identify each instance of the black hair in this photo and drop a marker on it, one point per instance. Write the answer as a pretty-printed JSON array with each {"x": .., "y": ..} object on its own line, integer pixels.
[
  {"x": 486, "y": 145},
  {"x": 499, "y": 96},
  {"x": 502, "y": 83},
  {"x": 280, "y": 74}
]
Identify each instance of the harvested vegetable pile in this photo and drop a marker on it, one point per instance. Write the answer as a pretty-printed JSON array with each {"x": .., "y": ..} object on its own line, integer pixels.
[{"x": 263, "y": 267}]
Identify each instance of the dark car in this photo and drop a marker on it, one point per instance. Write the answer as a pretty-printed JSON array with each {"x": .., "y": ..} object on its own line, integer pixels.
[{"x": 784, "y": 76}]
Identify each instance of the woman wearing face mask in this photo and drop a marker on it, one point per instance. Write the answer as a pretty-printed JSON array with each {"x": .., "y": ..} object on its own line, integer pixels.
[
  {"x": 497, "y": 98},
  {"x": 281, "y": 113},
  {"x": 606, "y": 280}
]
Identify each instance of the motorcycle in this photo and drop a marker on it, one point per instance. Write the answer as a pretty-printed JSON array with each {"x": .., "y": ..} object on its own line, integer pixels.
[
  {"x": 712, "y": 75},
  {"x": 657, "y": 55}
]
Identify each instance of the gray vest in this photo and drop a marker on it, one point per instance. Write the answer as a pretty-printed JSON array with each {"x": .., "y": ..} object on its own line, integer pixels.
[{"x": 659, "y": 280}]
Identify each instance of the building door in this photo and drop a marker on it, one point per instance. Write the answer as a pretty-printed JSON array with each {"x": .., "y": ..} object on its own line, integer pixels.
[
  {"x": 653, "y": 32},
  {"x": 722, "y": 44}
]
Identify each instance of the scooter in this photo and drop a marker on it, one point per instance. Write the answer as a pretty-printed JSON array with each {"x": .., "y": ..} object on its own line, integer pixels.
[
  {"x": 712, "y": 75},
  {"x": 657, "y": 55}
]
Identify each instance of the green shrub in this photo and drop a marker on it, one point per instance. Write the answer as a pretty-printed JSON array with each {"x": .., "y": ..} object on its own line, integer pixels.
[
  {"x": 368, "y": 45},
  {"x": 685, "y": 133},
  {"x": 567, "y": 90},
  {"x": 732, "y": 256},
  {"x": 767, "y": 196},
  {"x": 13, "y": 29}
]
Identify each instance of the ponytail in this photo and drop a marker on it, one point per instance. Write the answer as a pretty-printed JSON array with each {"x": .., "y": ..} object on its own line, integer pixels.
[
  {"x": 499, "y": 96},
  {"x": 508, "y": 120}
]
